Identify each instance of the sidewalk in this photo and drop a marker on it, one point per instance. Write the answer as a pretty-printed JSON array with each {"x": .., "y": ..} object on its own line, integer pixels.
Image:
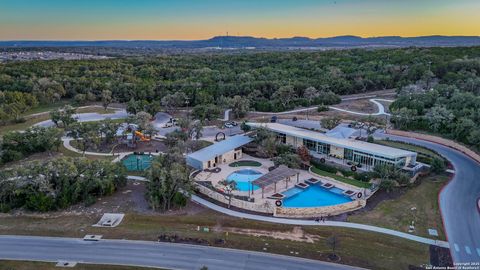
[{"x": 303, "y": 222}]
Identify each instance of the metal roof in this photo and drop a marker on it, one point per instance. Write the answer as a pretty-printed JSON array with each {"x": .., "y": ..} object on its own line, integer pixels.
[
  {"x": 341, "y": 132},
  {"x": 275, "y": 176},
  {"x": 220, "y": 148},
  {"x": 371, "y": 148}
]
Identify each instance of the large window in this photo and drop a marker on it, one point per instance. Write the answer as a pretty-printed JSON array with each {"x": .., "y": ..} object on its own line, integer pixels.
[
  {"x": 311, "y": 145},
  {"x": 323, "y": 148},
  {"x": 348, "y": 154}
]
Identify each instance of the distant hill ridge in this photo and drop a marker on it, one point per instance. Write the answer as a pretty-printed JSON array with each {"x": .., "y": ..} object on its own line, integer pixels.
[{"x": 254, "y": 42}]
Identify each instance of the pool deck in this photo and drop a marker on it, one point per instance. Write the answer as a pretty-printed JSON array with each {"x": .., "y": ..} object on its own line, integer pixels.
[{"x": 226, "y": 170}]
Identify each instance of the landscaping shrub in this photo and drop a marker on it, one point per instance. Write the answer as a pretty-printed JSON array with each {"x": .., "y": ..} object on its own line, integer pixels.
[
  {"x": 324, "y": 167},
  {"x": 59, "y": 183},
  {"x": 179, "y": 199}
]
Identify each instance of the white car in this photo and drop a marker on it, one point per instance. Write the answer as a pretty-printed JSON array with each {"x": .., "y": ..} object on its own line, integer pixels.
[{"x": 228, "y": 125}]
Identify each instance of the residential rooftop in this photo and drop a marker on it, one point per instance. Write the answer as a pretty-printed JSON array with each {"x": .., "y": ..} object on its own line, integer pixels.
[{"x": 371, "y": 148}]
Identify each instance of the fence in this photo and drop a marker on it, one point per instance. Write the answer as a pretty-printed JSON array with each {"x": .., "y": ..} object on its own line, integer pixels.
[{"x": 266, "y": 207}]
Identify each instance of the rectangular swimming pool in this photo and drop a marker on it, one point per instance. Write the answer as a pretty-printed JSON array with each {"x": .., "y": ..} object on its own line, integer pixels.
[{"x": 314, "y": 196}]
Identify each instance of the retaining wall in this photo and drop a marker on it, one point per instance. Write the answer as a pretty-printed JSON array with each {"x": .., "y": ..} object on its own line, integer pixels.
[
  {"x": 310, "y": 212},
  {"x": 263, "y": 208}
]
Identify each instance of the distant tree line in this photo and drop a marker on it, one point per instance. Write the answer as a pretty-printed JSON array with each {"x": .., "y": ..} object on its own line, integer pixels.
[
  {"x": 446, "y": 102},
  {"x": 268, "y": 81}
]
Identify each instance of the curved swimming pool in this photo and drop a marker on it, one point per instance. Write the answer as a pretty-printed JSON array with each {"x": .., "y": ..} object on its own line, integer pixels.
[
  {"x": 243, "y": 178},
  {"x": 314, "y": 196}
]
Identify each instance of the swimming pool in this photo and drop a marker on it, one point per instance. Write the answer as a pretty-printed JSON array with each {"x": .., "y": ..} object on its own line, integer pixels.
[
  {"x": 243, "y": 179},
  {"x": 314, "y": 196},
  {"x": 137, "y": 162}
]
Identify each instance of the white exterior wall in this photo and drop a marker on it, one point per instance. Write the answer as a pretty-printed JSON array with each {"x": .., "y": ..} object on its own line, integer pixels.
[{"x": 225, "y": 158}]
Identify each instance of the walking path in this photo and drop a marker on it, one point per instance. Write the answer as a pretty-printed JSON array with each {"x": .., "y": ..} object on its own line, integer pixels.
[
  {"x": 381, "y": 108},
  {"x": 304, "y": 222},
  {"x": 66, "y": 144}
]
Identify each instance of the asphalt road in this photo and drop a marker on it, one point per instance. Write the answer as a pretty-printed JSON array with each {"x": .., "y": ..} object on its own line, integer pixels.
[
  {"x": 458, "y": 202},
  {"x": 87, "y": 117},
  {"x": 149, "y": 254}
]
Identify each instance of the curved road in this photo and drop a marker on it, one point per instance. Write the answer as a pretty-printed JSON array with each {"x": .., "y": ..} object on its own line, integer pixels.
[
  {"x": 150, "y": 254},
  {"x": 87, "y": 117},
  {"x": 458, "y": 202}
]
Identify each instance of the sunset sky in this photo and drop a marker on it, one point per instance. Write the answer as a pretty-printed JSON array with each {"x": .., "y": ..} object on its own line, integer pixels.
[{"x": 203, "y": 19}]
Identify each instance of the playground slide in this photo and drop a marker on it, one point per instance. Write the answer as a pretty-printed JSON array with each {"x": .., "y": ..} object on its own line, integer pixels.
[{"x": 141, "y": 136}]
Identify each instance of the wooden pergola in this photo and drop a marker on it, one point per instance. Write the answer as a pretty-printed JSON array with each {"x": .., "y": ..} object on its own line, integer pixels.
[{"x": 278, "y": 174}]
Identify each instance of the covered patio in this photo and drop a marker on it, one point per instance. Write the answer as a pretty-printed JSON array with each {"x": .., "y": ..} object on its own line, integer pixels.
[{"x": 282, "y": 173}]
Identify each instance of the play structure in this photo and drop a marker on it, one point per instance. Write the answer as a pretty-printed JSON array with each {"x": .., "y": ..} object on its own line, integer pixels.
[
  {"x": 141, "y": 136},
  {"x": 130, "y": 135}
]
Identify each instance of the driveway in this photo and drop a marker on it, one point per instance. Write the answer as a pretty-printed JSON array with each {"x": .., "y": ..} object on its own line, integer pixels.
[{"x": 87, "y": 117}]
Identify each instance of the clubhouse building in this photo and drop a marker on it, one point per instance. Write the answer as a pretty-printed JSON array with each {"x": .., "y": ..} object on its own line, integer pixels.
[
  {"x": 345, "y": 150},
  {"x": 222, "y": 152}
]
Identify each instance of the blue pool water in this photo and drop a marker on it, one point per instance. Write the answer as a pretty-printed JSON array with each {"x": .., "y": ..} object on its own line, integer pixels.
[
  {"x": 314, "y": 196},
  {"x": 243, "y": 178}
]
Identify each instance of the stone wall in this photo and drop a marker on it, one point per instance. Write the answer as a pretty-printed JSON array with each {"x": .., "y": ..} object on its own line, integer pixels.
[
  {"x": 310, "y": 212},
  {"x": 268, "y": 207}
]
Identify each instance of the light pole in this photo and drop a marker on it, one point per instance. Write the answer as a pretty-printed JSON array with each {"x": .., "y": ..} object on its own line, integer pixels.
[{"x": 187, "y": 101}]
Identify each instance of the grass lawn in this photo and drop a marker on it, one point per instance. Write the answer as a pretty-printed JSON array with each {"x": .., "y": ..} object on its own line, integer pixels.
[
  {"x": 397, "y": 214},
  {"x": 47, "y": 107},
  {"x": 22, "y": 126},
  {"x": 23, "y": 265},
  {"x": 360, "y": 248},
  {"x": 67, "y": 153},
  {"x": 346, "y": 180},
  {"x": 245, "y": 163}
]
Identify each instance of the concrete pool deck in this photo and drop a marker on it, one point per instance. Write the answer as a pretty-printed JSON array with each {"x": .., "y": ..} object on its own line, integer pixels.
[{"x": 267, "y": 205}]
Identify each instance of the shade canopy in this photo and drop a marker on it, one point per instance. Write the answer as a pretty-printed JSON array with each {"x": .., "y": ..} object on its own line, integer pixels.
[{"x": 276, "y": 175}]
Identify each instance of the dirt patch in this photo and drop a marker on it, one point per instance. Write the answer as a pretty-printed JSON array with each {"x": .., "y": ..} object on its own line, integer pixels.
[
  {"x": 360, "y": 105},
  {"x": 297, "y": 234},
  {"x": 129, "y": 199}
]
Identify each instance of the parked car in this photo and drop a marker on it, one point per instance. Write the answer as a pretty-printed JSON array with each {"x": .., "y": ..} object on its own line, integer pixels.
[
  {"x": 168, "y": 124},
  {"x": 228, "y": 125}
]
